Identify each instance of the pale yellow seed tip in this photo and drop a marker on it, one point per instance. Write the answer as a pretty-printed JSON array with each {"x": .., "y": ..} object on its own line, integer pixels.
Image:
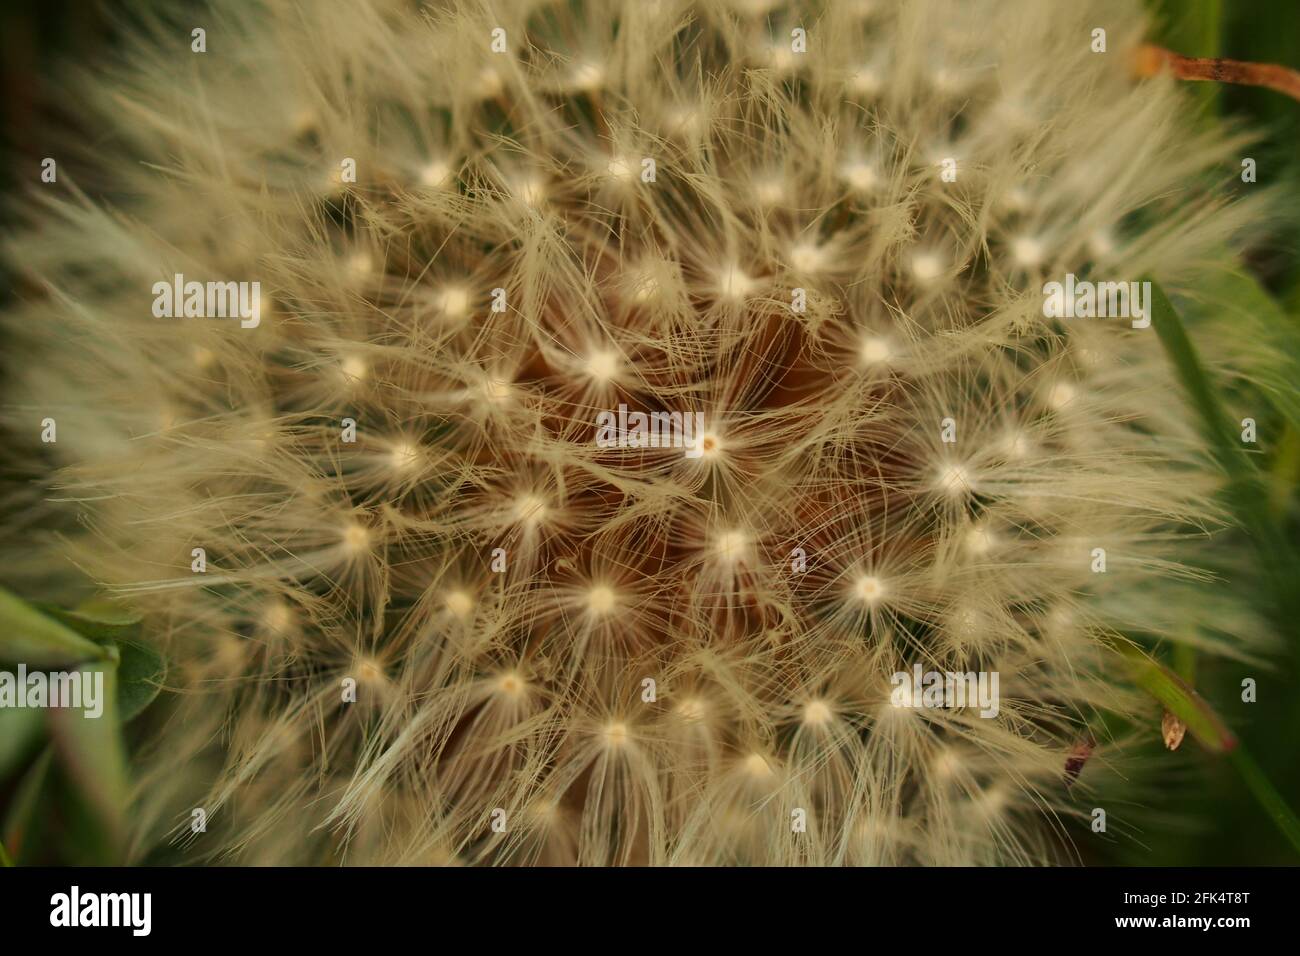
[
  {"x": 601, "y": 599},
  {"x": 869, "y": 589},
  {"x": 356, "y": 538},
  {"x": 602, "y": 366},
  {"x": 817, "y": 713},
  {"x": 458, "y": 603}
]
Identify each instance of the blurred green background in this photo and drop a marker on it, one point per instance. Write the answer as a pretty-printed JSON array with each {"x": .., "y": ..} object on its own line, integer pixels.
[{"x": 1189, "y": 807}]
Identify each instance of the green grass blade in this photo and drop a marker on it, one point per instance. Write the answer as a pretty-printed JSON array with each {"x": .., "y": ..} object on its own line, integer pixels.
[
  {"x": 29, "y": 637},
  {"x": 23, "y": 823},
  {"x": 1207, "y": 727},
  {"x": 1173, "y": 336},
  {"x": 1180, "y": 700},
  {"x": 20, "y": 729},
  {"x": 1230, "y": 302},
  {"x": 1268, "y": 797},
  {"x": 1246, "y": 493}
]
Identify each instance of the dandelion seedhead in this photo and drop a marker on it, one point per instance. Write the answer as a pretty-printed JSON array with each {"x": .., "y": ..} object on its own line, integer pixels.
[{"x": 435, "y": 619}]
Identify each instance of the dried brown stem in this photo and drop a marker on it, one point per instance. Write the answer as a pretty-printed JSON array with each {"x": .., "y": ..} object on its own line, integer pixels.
[{"x": 1152, "y": 59}]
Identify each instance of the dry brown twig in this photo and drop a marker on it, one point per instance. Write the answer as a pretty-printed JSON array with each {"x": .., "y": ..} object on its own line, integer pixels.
[{"x": 1152, "y": 59}]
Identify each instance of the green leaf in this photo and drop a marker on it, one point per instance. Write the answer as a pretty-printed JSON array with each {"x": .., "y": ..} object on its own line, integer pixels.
[
  {"x": 93, "y": 755},
  {"x": 100, "y": 619},
  {"x": 22, "y": 821},
  {"x": 1246, "y": 493},
  {"x": 1264, "y": 792},
  {"x": 1179, "y": 699},
  {"x": 1173, "y": 336},
  {"x": 139, "y": 678},
  {"x": 5, "y": 861},
  {"x": 1229, "y": 297},
  {"x": 20, "y": 729},
  {"x": 1206, "y": 726},
  {"x": 29, "y": 637}
]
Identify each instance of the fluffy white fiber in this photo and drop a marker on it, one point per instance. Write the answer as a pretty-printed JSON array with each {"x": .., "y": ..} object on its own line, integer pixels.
[{"x": 523, "y": 691}]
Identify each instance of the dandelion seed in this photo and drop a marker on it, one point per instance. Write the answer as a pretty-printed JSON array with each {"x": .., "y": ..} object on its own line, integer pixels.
[
  {"x": 602, "y": 366},
  {"x": 967, "y": 622},
  {"x": 1017, "y": 199},
  {"x": 529, "y": 510},
  {"x": 1089, "y": 358},
  {"x": 1060, "y": 621},
  {"x": 360, "y": 264},
  {"x": 404, "y": 456},
  {"x": 687, "y": 121},
  {"x": 435, "y": 174},
  {"x": 860, "y": 176},
  {"x": 979, "y": 540},
  {"x": 277, "y": 617},
  {"x": 1017, "y": 445},
  {"x": 497, "y": 391},
  {"x": 511, "y": 684},
  {"x": 454, "y": 301},
  {"x": 948, "y": 80},
  {"x": 691, "y": 710},
  {"x": 734, "y": 285},
  {"x": 1101, "y": 243},
  {"x": 992, "y": 802},
  {"x": 954, "y": 480},
  {"x": 927, "y": 266},
  {"x": 731, "y": 546},
  {"x": 875, "y": 351},
  {"x": 489, "y": 83},
  {"x": 458, "y": 603},
  {"x": 1014, "y": 113},
  {"x": 869, "y": 589},
  {"x": 620, "y": 168},
  {"x": 866, "y": 81},
  {"x": 356, "y": 538},
  {"x": 645, "y": 286},
  {"x": 354, "y": 369},
  {"x": 808, "y": 257},
  {"x": 544, "y": 813},
  {"x": 946, "y": 764},
  {"x": 601, "y": 599},
  {"x": 756, "y": 766},
  {"x": 1060, "y": 395},
  {"x": 770, "y": 191},
  {"x": 709, "y": 446},
  {"x": 816, "y": 714},
  {"x": 1028, "y": 251},
  {"x": 531, "y": 191},
  {"x": 781, "y": 58},
  {"x": 369, "y": 672},
  {"x": 586, "y": 76},
  {"x": 615, "y": 734}
]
